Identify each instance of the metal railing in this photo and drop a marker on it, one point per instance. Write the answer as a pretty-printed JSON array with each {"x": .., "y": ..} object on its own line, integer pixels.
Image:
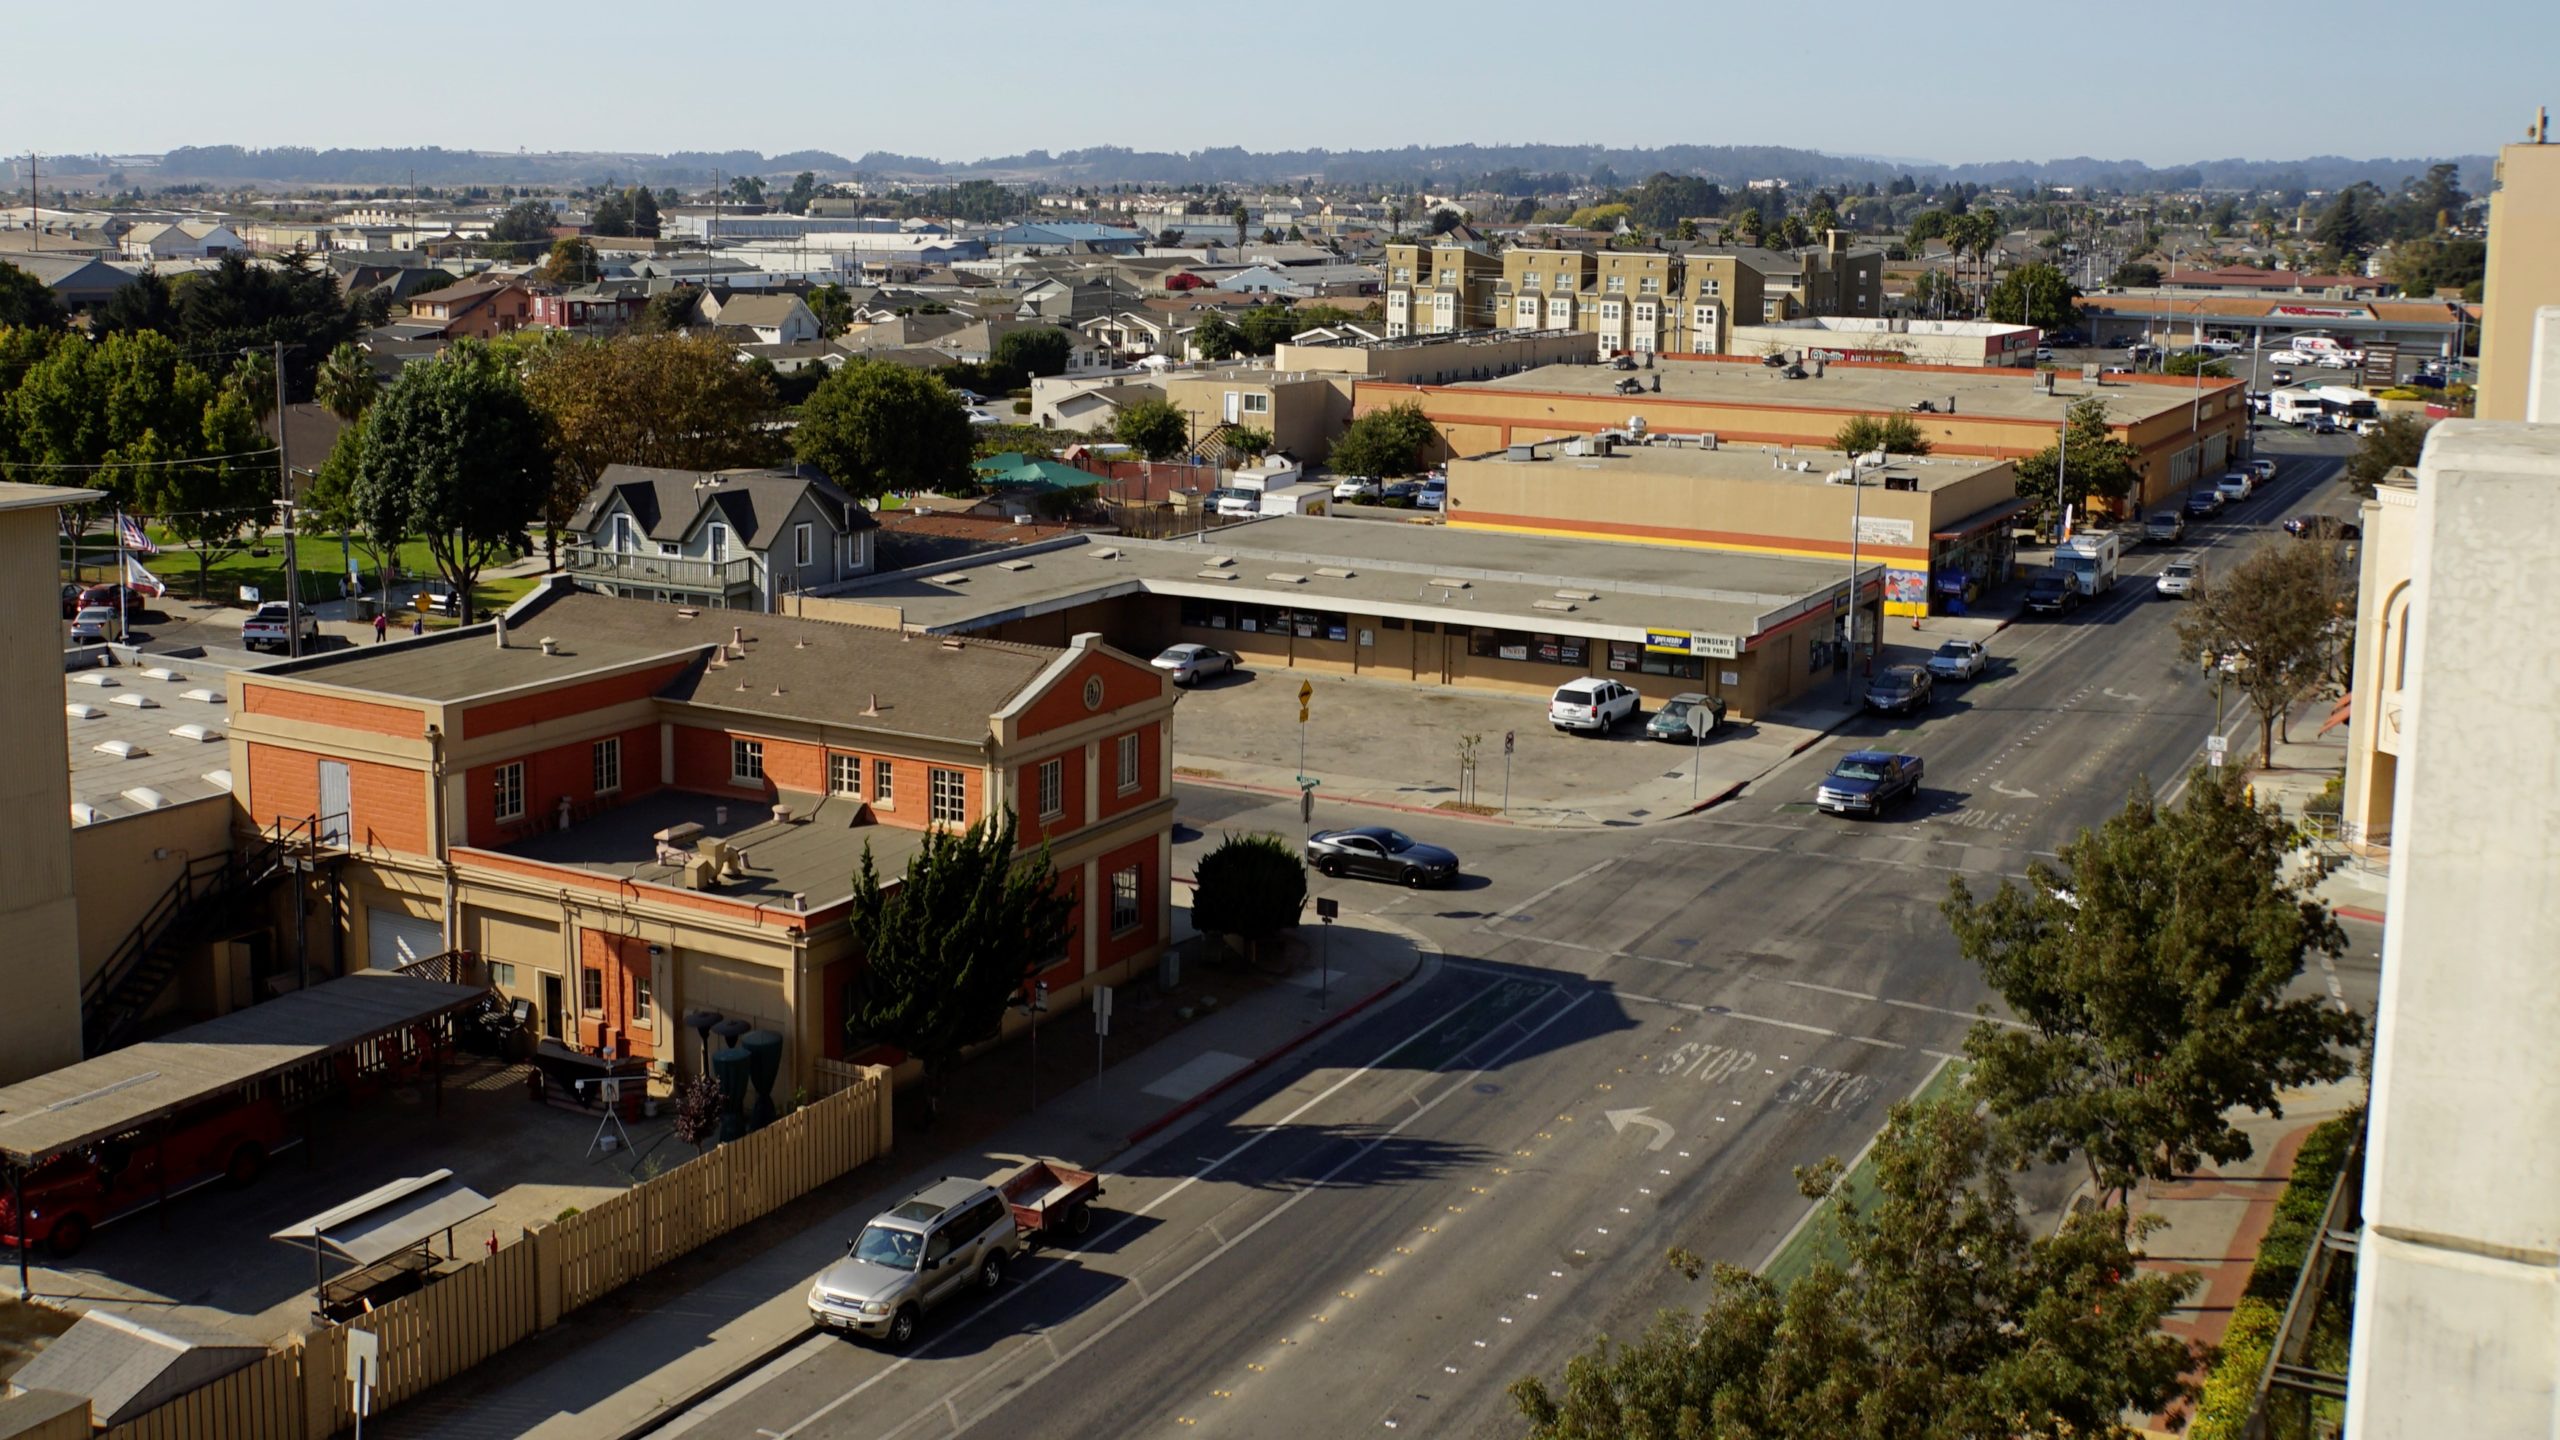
[
  {"x": 2290, "y": 1386},
  {"x": 666, "y": 572}
]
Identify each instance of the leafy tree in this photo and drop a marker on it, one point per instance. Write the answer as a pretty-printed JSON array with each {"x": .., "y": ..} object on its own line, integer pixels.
[
  {"x": 329, "y": 503},
  {"x": 873, "y": 427},
  {"x": 1386, "y": 443},
  {"x": 747, "y": 189},
  {"x": 2274, "y": 622},
  {"x": 2099, "y": 464},
  {"x": 238, "y": 306},
  {"x": 644, "y": 213},
  {"x": 2038, "y": 295},
  {"x": 670, "y": 309},
  {"x": 804, "y": 188},
  {"x": 2205, "y": 365},
  {"x": 1665, "y": 199},
  {"x": 1892, "y": 434},
  {"x": 1156, "y": 429},
  {"x": 1216, "y": 337},
  {"x": 345, "y": 383},
  {"x": 1038, "y": 352},
  {"x": 833, "y": 308},
  {"x": 524, "y": 224},
  {"x": 253, "y": 379},
  {"x": 1251, "y": 886},
  {"x": 214, "y": 507},
  {"x": 27, "y": 301},
  {"x": 2151, "y": 969},
  {"x": 2347, "y": 228},
  {"x": 2397, "y": 442},
  {"x": 947, "y": 947},
  {"x": 1933, "y": 292},
  {"x": 459, "y": 455},
  {"x": 1250, "y": 441},
  {"x": 697, "y": 1117},
  {"x": 21, "y": 350},
  {"x": 1951, "y": 1317},
  {"x": 612, "y": 215},
  {"x": 669, "y": 401},
  {"x": 125, "y": 398},
  {"x": 572, "y": 261},
  {"x": 144, "y": 303},
  {"x": 2425, "y": 267}
]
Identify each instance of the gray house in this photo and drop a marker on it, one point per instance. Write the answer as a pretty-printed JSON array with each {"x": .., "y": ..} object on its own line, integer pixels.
[{"x": 727, "y": 539}]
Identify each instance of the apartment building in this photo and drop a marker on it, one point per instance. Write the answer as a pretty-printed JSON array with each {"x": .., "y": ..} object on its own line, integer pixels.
[
  {"x": 1439, "y": 289},
  {"x": 1629, "y": 301}
]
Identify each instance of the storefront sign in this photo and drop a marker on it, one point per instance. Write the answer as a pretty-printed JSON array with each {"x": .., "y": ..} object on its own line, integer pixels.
[
  {"x": 1879, "y": 530},
  {"x": 2324, "y": 312},
  {"x": 1906, "y": 587},
  {"x": 1685, "y": 642}
]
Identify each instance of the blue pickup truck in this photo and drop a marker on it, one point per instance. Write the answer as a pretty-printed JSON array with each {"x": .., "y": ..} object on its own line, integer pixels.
[{"x": 1865, "y": 782}]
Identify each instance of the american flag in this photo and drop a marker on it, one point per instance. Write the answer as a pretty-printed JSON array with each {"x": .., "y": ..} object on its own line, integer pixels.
[{"x": 134, "y": 539}]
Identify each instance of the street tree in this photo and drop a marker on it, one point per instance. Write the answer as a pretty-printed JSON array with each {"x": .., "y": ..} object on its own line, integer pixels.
[
  {"x": 1251, "y": 887},
  {"x": 1036, "y": 353},
  {"x": 1892, "y": 434},
  {"x": 2151, "y": 971},
  {"x": 2273, "y": 623},
  {"x": 461, "y": 458},
  {"x": 1948, "y": 1316},
  {"x": 2038, "y": 295},
  {"x": 329, "y": 505},
  {"x": 2194, "y": 364},
  {"x": 572, "y": 261},
  {"x": 873, "y": 427},
  {"x": 345, "y": 383},
  {"x": 2098, "y": 464},
  {"x": 2397, "y": 442},
  {"x": 86, "y": 404},
  {"x": 644, "y": 213},
  {"x": 1156, "y": 429},
  {"x": 523, "y": 226},
  {"x": 1384, "y": 444},
  {"x": 949, "y": 945},
  {"x": 668, "y": 401},
  {"x": 215, "y": 505},
  {"x": 27, "y": 301}
]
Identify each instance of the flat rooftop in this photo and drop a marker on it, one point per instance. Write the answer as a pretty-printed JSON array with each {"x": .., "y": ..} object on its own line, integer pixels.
[
  {"x": 1406, "y": 571},
  {"x": 145, "y": 737},
  {"x": 1770, "y": 464},
  {"x": 815, "y": 854},
  {"x": 1999, "y": 394}
]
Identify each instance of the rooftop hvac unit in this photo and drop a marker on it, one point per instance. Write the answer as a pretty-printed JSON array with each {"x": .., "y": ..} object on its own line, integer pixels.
[
  {"x": 1708, "y": 440},
  {"x": 1635, "y": 424},
  {"x": 1521, "y": 452},
  {"x": 2044, "y": 382},
  {"x": 1804, "y": 467}
]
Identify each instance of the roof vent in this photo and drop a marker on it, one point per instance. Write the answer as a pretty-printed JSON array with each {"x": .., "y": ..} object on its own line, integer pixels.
[
  {"x": 1016, "y": 565},
  {"x": 1586, "y": 596},
  {"x": 953, "y": 642},
  {"x": 498, "y": 627},
  {"x": 1107, "y": 553},
  {"x": 1446, "y": 583},
  {"x": 218, "y": 779},
  {"x": 84, "y": 813},
  {"x": 121, "y": 749},
  {"x": 954, "y": 577},
  {"x": 197, "y": 732},
  {"x": 686, "y": 612},
  {"x": 208, "y": 696},
  {"x": 1561, "y": 606},
  {"x": 133, "y": 701},
  {"x": 549, "y": 645},
  {"x": 872, "y": 708},
  {"x": 92, "y": 677},
  {"x": 1285, "y": 578},
  {"x": 78, "y": 711},
  {"x": 147, "y": 798},
  {"x": 1215, "y": 562},
  {"x": 1334, "y": 573},
  {"x": 1217, "y": 574},
  {"x": 160, "y": 672}
]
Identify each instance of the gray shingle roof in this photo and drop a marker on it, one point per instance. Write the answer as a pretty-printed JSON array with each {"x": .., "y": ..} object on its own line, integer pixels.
[{"x": 755, "y": 502}]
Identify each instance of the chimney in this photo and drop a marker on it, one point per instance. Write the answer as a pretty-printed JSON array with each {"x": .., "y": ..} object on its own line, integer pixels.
[
  {"x": 549, "y": 645},
  {"x": 499, "y": 628}
]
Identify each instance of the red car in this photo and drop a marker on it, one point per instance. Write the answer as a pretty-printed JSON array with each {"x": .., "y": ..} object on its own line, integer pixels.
[
  {"x": 71, "y": 1195},
  {"x": 135, "y": 602}
]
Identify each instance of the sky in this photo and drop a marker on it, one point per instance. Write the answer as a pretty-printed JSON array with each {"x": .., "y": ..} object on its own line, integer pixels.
[{"x": 1949, "y": 84}]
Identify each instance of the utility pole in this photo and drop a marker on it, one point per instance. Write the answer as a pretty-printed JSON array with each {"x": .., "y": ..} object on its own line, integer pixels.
[{"x": 284, "y": 502}]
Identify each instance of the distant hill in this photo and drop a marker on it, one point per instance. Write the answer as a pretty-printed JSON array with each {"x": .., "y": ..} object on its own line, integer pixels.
[{"x": 1435, "y": 166}]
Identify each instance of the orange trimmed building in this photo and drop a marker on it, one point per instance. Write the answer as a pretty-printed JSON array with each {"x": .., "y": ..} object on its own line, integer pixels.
[{"x": 630, "y": 811}]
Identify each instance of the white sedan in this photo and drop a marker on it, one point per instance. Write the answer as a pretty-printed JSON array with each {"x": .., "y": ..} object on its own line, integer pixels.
[
  {"x": 1355, "y": 487},
  {"x": 2288, "y": 357},
  {"x": 1191, "y": 664}
]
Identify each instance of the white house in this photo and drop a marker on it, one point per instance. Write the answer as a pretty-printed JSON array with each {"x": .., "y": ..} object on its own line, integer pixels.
[
  {"x": 775, "y": 319},
  {"x": 181, "y": 240}
]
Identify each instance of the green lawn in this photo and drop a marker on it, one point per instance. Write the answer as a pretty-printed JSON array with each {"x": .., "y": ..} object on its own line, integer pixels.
[
  {"x": 318, "y": 557},
  {"x": 1816, "y": 1241}
]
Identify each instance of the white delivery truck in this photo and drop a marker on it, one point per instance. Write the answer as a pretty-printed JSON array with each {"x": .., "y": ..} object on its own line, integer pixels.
[
  {"x": 2295, "y": 407},
  {"x": 2326, "y": 347},
  {"x": 2089, "y": 560}
]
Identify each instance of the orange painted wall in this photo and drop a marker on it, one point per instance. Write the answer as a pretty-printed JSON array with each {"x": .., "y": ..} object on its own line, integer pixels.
[
  {"x": 624, "y": 959},
  {"x": 702, "y": 763},
  {"x": 1151, "y": 881},
  {"x": 565, "y": 701},
  {"x": 1026, "y": 798},
  {"x": 1071, "y": 969},
  {"x": 1150, "y": 769},
  {"x": 387, "y": 805},
  {"x": 332, "y": 710},
  {"x": 550, "y": 773},
  {"x": 1122, "y": 684}
]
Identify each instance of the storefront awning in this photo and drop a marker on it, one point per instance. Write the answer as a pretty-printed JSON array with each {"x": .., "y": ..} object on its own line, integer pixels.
[
  {"x": 2339, "y": 715},
  {"x": 1981, "y": 520}
]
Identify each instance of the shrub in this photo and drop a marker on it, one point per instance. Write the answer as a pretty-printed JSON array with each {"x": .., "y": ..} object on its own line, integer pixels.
[
  {"x": 1251, "y": 885},
  {"x": 2222, "y": 1412}
]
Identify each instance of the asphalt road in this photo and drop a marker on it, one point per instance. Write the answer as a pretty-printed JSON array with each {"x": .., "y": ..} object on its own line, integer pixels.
[{"x": 1385, "y": 1234}]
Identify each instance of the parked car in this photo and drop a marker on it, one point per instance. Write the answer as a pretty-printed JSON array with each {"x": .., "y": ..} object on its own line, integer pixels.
[
  {"x": 2323, "y": 527},
  {"x": 1865, "y": 782},
  {"x": 2044, "y": 352},
  {"x": 2117, "y": 370},
  {"x": 70, "y": 600},
  {"x": 2178, "y": 579},
  {"x": 71, "y": 1195},
  {"x": 1355, "y": 487},
  {"x": 2262, "y": 470},
  {"x": 272, "y": 627},
  {"x": 1960, "y": 660},
  {"x": 2167, "y": 527},
  {"x": 2280, "y": 376},
  {"x": 1378, "y": 853},
  {"x": 2288, "y": 357},
  {"x": 1900, "y": 690},
  {"x": 2368, "y": 427},
  {"x": 96, "y": 625},
  {"x": 1395, "y": 490},
  {"x": 1591, "y": 705},
  {"x": 1687, "y": 718},
  {"x": 918, "y": 1253},
  {"x": 1434, "y": 494},
  {"x": 2052, "y": 593},
  {"x": 2204, "y": 503},
  {"x": 2236, "y": 485},
  {"x": 134, "y": 601},
  {"x": 1191, "y": 664}
]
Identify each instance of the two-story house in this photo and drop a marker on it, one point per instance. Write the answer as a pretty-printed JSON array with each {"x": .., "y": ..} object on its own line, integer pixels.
[
  {"x": 628, "y": 813},
  {"x": 774, "y": 319},
  {"x": 725, "y": 539},
  {"x": 472, "y": 310}
]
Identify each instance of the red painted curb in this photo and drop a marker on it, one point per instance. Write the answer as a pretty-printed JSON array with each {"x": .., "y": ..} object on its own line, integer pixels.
[
  {"x": 1718, "y": 798},
  {"x": 2358, "y": 912},
  {"x": 1260, "y": 1062}
]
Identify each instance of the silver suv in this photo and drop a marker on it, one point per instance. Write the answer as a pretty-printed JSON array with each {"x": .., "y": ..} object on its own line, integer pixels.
[{"x": 915, "y": 1255}]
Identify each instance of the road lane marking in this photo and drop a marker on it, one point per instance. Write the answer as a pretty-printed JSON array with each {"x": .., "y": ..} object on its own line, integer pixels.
[
  {"x": 1908, "y": 1004},
  {"x": 1535, "y": 900},
  {"x": 1851, "y": 1168}
]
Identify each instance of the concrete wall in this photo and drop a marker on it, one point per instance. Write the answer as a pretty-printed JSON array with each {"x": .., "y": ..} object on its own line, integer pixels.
[
  {"x": 119, "y": 877},
  {"x": 2524, "y": 275},
  {"x": 1432, "y": 363},
  {"x": 1306, "y": 411},
  {"x": 2457, "y": 1308},
  {"x": 40, "y": 964},
  {"x": 2376, "y": 725}
]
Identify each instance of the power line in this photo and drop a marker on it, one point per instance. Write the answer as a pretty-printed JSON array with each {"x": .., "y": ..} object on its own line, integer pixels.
[{"x": 14, "y": 465}]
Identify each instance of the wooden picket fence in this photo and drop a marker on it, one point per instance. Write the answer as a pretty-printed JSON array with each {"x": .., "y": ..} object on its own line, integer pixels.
[{"x": 300, "y": 1392}]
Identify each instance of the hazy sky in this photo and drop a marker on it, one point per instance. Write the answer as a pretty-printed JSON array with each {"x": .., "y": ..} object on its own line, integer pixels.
[{"x": 1950, "y": 83}]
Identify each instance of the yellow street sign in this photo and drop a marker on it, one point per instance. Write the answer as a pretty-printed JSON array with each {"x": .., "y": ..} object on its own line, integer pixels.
[{"x": 1306, "y": 691}]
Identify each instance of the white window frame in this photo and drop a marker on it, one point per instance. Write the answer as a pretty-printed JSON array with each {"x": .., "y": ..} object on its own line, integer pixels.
[
  {"x": 946, "y": 795},
  {"x": 1649, "y": 285},
  {"x": 1710, "y": 285},
  {"x": 1617, "y": 284},
  {"x": 844, "y": 775},
  {"x": 746, "y": 761},
  {"x": 1129, "y": 756},
  {"x": 1256, "y": 403},
  {"x": 1125, "y": 910},
  {"x": 803, "y": 545},
  {"x": 716, "y": 543},
  {"x": 1528, "y": 279},
  {"x": 607, "y": 765},
  {"x": 1052, "y": 787},
  {"x": 884, "y": 785},
  {"x": 1644, "y": 313},
  {"x": 1565, "y": 284},
  {"x": 1610, "y": 311},
  {"x": 626, "y": 534},
  {"x": 669, "y": 547},
  {"x": 508, "y": 783}
]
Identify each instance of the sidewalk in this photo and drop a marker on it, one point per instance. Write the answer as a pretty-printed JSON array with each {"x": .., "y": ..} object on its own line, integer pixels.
[
  {"x": 2296, "y": 772},
  {"x": 1544, "y": 792},
  {"x": 628, "y": 1361}
]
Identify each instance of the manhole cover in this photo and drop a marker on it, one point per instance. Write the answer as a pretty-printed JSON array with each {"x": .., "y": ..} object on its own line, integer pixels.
[{"x": 1488, "y": 1089}]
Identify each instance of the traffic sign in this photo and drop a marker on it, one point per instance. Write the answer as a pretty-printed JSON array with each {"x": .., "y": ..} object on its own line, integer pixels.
[
  {"x": 2216, "y": 744},
  {"x": 1306, "y": 691},
  {"x": 1102, "y": 1010},
  {"x": 1506, "y": 742},
  {"x": 1328, "y": 909},
  {"x": 364, "y": 1369}
]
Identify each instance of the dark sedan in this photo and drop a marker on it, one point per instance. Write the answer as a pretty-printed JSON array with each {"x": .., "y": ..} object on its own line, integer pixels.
[
  {"x": 1378, "y": 853},
  {"x": 2203, "y": 504},
  {"x": 1900, "y": 690}
]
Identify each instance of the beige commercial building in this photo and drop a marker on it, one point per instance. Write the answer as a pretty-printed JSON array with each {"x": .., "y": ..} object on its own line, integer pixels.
[
  {"x": 2524, "y": 271},
  {"x": 40, "y": 1024},
  {"x": 1302, "y": 410},
  {"x": 1436, "y": 359},
  {"x": 1970, "y": 344}
]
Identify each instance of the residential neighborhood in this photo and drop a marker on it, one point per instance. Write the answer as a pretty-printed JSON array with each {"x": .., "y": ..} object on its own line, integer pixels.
[{"x": 1337, "y": 774}]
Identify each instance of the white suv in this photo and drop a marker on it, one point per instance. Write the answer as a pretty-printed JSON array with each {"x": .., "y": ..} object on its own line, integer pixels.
[{"x": 1591, "y": 705}]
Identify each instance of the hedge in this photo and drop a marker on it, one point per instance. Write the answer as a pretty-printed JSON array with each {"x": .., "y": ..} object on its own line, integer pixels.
[
  {"x": 2231, "y": 1391},
  {"x": 2231, "y": 1387}
]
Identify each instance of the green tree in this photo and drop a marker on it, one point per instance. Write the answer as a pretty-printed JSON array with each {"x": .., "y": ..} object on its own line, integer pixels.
[
  {"x": 612, "y": 215},
  {"x": 1155, "y": 428},
  {"x": 1252, "y": 442},
  {"x": 215, "y": 506},
  {"x": 88, "y": 404},
  {"x": 27, "y": 301},
  {"x": 644, "y": 213},
  {"x": 2347, "y": 228},
  {"x": 670, "y": 309},
  {"x": 329, "y": 504},
  {"x": 237, "y": 306},
  {"x": 2099, "y": 465},
  {"x": 2397, "y": 442},
  {"x": 1250, "y": 886},
  {"x": 873, "y": 427},
  {"x": 2037, "y": 295},
  {"x": 804, "y": 188},
  {"x": 1892, "y": 434},
  {"x": 572, "y": 261},
  {"x": 2425, "y": 267},
  {"x": 747, "y": 189},
  {"x": 1950, "y": 1317},
  {"x": 1215, "y": 337},
  {"x": 954, "y": 941},
  {"x": 345, "y": 383},
  {"x": 1386, "y": 443},
  {"x": 468, "y": 456},
  {"x": 833, "y": 307},
  {"x": 524, "y": 225},
  {"x": 253, "y": 379},
  {"x": 2193, "y": 364},
  {"x": 668, "y": 401},
  {"x": 2152, "y": 971},
  {"x": 1036, "y": 353},
  {"x": 144, "y": 303},
  {"x": 2274, "y": 622}
]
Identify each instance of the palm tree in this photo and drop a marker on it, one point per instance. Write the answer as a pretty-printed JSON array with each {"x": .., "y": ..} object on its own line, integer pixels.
[
  {"x": 254, "y": 377},
  {"x": 345, "y": 382}
]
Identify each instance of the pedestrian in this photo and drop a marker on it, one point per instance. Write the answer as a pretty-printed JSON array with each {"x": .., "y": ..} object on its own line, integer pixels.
[
  {"x": 381, "y": 628},
  {"x": 418, "y": 625}
]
